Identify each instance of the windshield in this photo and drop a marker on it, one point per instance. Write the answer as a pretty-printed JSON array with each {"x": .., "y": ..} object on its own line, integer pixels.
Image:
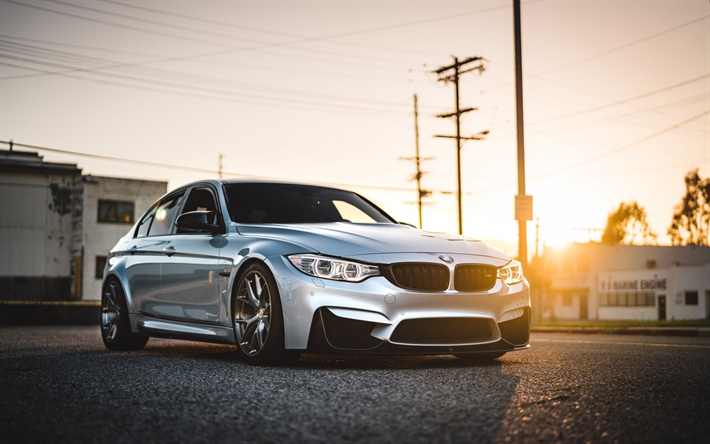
[{"x": 270, "y": 203}]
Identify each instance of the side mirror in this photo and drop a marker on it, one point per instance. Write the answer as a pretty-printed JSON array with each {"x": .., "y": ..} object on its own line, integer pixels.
[{"x": 197, "y": 221}]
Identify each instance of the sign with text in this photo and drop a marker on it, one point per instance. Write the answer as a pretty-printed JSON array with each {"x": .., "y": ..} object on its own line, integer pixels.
[
  {"x": 523, "y": 207},
  {"x": 633, "y": 281}
]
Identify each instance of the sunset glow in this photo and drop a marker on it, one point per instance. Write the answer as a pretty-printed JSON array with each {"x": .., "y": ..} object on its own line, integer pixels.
[{"x": 323, "y": 92}]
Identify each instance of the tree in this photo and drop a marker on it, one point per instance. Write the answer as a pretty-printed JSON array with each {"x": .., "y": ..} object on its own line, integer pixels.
[
  {"x": 691, "y": 217},
  {"x": 628, "y": 224}
]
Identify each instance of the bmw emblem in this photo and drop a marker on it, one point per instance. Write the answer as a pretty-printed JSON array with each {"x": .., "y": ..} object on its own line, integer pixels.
[{"x": 445, "y": 258}]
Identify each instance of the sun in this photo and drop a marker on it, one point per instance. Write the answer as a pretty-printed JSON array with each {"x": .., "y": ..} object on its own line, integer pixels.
[{"x": 557, "y": 236}]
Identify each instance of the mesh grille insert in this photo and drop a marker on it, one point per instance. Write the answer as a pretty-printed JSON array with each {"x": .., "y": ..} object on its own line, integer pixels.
[
  {"x": 474, "y": 277},
  {"x": 442, "y": 331},
  {"x": 429, "y": 277}
]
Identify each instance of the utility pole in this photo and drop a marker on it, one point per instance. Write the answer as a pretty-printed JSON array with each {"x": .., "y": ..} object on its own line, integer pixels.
[
  {"x": 523, "y": 203},
  {"x": 537, "y": 236},
  {"x": 445, "y": 77},
  {"x": 418, "y": 160}
]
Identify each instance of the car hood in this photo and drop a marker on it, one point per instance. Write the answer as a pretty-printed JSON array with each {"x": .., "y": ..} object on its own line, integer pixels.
[{"x": 347, "y": 239}]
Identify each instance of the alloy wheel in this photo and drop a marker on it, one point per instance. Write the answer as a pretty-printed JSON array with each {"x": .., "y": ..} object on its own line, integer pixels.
[
  {"x": 110, "y": 312},
  {"x": 252, "y": 314}
]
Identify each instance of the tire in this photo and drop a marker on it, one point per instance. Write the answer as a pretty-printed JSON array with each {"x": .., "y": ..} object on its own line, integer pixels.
[
  {"x": 479, "y": 357},
  {"x": 257, "y": 318},
  {"x": 115, "y": 325}
]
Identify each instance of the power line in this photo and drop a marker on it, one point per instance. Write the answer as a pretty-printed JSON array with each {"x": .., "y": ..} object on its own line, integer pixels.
[
  {"x": 265, "y": 31},
  {"x": 609, "y": 105},
  {"x": 192, "y": 169},
  {"x": 626, "y": 45},
  {"x": 203, "y": 31},
  {"x": 33, "y": 50},
  {"x": 594, "y": 158},
  {"x": 231, "y": 49},
  {"x": 205, "y": 62},
  {"x": 264, "y": 46},
  {"x": 609, "y": 153},
  {"x": 281, "y": 101}
]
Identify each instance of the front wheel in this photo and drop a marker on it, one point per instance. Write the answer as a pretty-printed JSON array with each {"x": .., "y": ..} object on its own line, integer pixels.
[
  {"x": 115, "y": 325},
  {"x": 258, "y": 318}
]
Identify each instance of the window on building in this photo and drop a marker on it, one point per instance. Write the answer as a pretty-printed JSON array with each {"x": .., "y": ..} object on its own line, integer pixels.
[
  {"x": 647, "y": 299},
  {"x": 691, "y": 298},
  {"x": 100, "y": 265},
  {"x": 116, "y": 212}
]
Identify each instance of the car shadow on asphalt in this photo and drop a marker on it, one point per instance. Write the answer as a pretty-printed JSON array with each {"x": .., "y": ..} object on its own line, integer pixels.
[{"x": 318, "y": 361}]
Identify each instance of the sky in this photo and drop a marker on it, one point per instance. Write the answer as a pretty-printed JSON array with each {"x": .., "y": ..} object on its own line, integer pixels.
[{"x": 616, "y": 100}]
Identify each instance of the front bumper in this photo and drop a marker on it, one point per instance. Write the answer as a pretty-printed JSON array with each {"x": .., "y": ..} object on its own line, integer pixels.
[{"x": 375, "y": 316}]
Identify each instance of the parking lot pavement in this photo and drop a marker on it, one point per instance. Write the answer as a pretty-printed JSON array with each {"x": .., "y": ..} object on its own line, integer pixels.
[{"x": 59, "y": 384}]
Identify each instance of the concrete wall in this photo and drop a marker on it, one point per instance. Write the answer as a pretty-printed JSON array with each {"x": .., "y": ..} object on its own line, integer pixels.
[
  {"x": 35, "y": 236},
  {"x": 97, "y": 238}
]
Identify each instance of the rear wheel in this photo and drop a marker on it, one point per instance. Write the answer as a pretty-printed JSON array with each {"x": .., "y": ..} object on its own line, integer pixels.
[
  {"x": 115, "y": 325},
  {"x": 479, "y": 357},
  {"x": 258, "y": 318}
]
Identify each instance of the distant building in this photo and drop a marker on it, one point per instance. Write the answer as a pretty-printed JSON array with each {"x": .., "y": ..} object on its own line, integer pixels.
[
  {"x": 104, "y": 209},
  {"x": 56, "y": 225},
  {"x": 625, "y": 282}
]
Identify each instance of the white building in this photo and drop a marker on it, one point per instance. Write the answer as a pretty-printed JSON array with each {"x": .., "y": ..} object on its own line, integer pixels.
[
  {"x": 105, "y": 208},
  {"x": 56, "y": 226},
  {"x": 625, "y": 282}
]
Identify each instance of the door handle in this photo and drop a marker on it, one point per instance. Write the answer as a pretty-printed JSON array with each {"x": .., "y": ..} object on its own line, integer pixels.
[{"x": 169, "y": 250}]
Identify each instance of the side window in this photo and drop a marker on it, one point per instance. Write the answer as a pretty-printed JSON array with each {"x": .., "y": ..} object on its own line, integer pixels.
[
  {"x": 165, "y": 214},
  {"x": 144, "y": 224},
  {"x": 201, "y": 199}
]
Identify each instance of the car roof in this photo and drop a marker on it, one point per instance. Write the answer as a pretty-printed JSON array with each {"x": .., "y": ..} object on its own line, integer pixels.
[{"x": 276, "y": 182}]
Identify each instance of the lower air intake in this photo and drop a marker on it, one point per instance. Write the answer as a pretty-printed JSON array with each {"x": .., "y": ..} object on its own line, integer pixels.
[
  {"x": 442, "y": 331},
  {"x": 348, "y": 333}
]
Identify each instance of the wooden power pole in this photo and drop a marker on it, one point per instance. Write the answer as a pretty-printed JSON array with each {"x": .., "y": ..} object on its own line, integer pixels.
[
  {"x": 418, "y": 160},
  {"x": 452, "y": 73},
  {"x": 523, "y": 202}
]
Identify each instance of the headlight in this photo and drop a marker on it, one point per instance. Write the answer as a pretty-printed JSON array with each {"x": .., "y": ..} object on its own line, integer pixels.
[
  {"x": 511, "y": 273},
  {"x": 336, "y": 269}
]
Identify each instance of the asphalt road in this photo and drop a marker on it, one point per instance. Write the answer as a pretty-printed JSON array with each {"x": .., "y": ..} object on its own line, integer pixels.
[{"x": 60, "y": 385}]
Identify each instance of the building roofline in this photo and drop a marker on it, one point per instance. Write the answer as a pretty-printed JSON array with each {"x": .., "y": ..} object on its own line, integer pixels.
[{"x": 31, "y": 162}]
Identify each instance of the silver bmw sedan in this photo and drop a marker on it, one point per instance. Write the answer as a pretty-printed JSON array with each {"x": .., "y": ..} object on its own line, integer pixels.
[{"x": 279, "y": 269}]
